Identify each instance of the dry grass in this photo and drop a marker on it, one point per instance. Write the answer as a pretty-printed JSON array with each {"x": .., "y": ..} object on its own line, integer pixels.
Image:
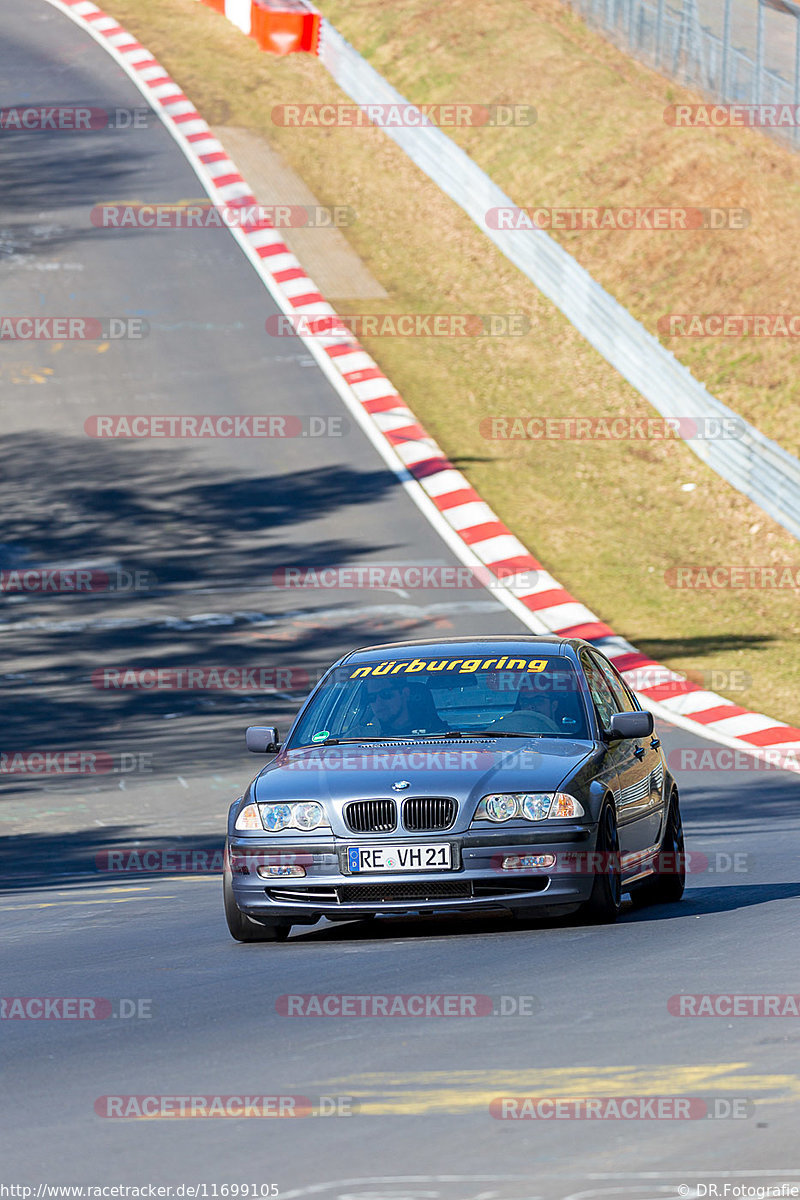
[
  {"x": 607, "y": 519},
  {"x": 601, "y": 140}
]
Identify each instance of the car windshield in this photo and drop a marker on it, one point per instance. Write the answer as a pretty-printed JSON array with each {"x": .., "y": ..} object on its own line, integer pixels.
[{"x": 430, "y": 697}]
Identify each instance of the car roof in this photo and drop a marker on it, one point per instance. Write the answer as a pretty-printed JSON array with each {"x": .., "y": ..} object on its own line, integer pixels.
[{"x": 507, "y": 644}]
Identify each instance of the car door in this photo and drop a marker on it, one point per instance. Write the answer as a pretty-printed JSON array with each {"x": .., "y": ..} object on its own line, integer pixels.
[
  {"x": 653, "y": 812},
  {"x": 646, "y": 800},
  {"x": 627, "y": 756}
]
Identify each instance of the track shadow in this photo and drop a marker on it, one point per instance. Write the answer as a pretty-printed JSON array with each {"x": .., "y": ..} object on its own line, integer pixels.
[
  {"x": 192, "y": 533},
  {"x": 46, "y": 171},
  {"x": 704, "y": 901},
  {"x": 696, "y": 902},
  {"x": 746, "y": 798},
  {"x": 424, "y": 926},
  {"x": 102, "y": 858}
]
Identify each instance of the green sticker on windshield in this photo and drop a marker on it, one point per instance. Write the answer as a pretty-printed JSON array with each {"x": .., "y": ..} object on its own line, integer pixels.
[{"x": 321, "y": 737}]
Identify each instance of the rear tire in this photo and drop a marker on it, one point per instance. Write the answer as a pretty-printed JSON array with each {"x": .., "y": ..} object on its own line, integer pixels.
[
  {"x": 242, "y": 927},
  {"x": 603, "y": 906},
  {"x": 666, "y": 887}
]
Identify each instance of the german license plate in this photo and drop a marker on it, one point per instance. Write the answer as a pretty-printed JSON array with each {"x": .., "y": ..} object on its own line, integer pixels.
[{"x": 399, "y": 858}]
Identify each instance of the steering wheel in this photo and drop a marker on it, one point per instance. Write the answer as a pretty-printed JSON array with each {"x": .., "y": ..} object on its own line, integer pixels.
[{"x": 525, "y": 722}]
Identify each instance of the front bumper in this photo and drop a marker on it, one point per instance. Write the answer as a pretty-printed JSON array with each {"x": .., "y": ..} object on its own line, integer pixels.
[{"x": 477, "y": 881}]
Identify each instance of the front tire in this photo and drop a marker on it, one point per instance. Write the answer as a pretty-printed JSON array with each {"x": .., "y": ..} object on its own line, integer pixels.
[
  {"x": 242, "y": 927},
  {"x": 603, "y": 906}
]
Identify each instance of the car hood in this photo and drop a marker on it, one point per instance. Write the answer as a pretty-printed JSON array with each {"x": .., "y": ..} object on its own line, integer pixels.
[{"x": 463, "y": 768}]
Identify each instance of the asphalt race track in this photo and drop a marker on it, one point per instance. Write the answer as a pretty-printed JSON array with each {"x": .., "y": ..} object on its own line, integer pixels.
[{"x": 207, "y": 523}]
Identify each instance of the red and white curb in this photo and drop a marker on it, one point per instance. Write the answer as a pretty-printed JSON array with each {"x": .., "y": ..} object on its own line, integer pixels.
[{"x": 469, "y": 527}]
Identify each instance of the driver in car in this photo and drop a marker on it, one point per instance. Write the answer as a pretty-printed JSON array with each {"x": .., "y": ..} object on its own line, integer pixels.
[{"x": 397, "y": 709}]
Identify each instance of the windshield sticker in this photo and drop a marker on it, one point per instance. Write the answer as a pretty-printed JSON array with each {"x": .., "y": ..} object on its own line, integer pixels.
[
  {"x": 321, "y": 736},
  {"x": 464, "y": 666}
]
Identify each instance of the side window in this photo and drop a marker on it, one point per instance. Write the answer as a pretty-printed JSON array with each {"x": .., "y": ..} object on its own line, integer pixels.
[
  {"x": 620, "y": 692},
  {"x": 602, "y": 695}
]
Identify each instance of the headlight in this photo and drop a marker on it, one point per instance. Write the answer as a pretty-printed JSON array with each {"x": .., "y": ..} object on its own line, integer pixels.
[
  {"x": 276, "y": 816},
  {"x": 527, "y": 806},
  {"x": 249, "y": 818},
  {"x": 535, "y": 807},
  {"x": 304, "y": 815},
  {"x": 501, "y": 808},
  {"x": 308, "y": 816}
]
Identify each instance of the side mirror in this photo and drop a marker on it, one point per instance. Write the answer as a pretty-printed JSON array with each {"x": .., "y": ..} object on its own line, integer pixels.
[
  {"x": 263, "y": 739},
  {"x": 630, "y": 725}
]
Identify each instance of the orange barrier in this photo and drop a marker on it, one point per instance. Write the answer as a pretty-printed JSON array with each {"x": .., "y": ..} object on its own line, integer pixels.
[
  {"x": 285, "y": 26},
  {"x": 279, "y": 26}
]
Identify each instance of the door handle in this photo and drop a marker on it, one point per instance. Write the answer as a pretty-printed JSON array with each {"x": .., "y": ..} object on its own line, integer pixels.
[{"x": 639, "y": 753}]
